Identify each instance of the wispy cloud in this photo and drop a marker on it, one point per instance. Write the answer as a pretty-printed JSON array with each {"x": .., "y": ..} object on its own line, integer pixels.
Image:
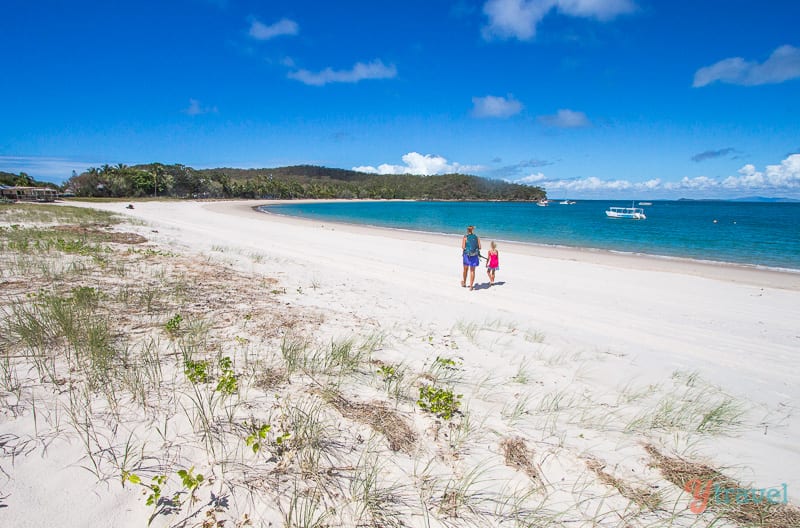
[
  {"x": 508, "y": 172},
  {"x": 494, "y": 106},
  {"x": 532, "y": 179},
  {"x": 782, "y": 65},
  {"x": 196, "y": 108},
  {"x": 598, "y": 9},
  {"x": 420, "y": 164},
  {"x": 596, "y": 184},
  {"x": 359, "y": 72},
  {"x": 782, "y": 178},
  {"x": 566, "y": 118},
  {"x": 261, "y": 31},
  {"x": 518, "y": 18},
  {"x": 47, "y": 168},
  {"x": 711, "y": 154}
]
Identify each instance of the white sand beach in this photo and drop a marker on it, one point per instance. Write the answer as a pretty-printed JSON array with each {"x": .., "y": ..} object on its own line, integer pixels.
[{"x": 586, "y": 356}]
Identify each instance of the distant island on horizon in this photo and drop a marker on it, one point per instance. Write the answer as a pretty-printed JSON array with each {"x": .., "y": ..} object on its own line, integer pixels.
[{"x": 751, "y": 199}]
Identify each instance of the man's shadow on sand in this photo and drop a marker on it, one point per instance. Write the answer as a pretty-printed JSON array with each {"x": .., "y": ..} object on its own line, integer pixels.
[{"x": 486, "y": 285}]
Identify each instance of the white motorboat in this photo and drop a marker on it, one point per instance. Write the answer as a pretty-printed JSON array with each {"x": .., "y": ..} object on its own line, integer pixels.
[{"x": 631, "y": 213}]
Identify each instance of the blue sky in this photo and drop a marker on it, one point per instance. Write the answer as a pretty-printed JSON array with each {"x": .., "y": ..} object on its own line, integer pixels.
[{"x": 588, "y": 98}]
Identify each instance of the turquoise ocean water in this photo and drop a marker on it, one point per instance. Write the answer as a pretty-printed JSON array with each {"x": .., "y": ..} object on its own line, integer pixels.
[{"x": 761, "y": 234}]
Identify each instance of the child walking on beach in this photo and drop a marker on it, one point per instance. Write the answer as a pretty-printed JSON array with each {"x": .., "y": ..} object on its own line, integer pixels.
[{"x": 492, "y": 262}]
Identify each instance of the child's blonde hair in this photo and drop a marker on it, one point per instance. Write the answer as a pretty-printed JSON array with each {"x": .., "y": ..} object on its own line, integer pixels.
[{"x": 494, "y": 245}]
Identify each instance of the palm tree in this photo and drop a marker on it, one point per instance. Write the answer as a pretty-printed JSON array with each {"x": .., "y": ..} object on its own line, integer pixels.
[{"x": 23, "y": 180}]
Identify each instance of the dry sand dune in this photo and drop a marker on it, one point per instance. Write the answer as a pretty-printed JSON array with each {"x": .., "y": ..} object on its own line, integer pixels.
[{"x": 585, "y": 377}]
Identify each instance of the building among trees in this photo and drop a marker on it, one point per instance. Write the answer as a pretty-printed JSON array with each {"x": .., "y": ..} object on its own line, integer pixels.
[{"x": 28, "y": 194}]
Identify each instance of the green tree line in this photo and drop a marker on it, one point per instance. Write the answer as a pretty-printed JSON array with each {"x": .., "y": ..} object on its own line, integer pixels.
[{"x": 299, "y": 181}]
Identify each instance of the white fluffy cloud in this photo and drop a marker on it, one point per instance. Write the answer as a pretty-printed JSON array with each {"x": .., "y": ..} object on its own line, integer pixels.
[
  {"x": 513, "y": 18},
  {"x": 359, "y": 72},
  {"x": 698, "y": 183},
  {"x": 532, "y": 179},
  {"x": 420, "y": 164},
  {"x": 783, "y": 178},
  {"x": 782, "y": 65},
  {"x": 494, "y": 106},
  {"x": 284, "y": 26},
  {"x": 519, "y": 18},
  {"x": 566, "y": 118}
]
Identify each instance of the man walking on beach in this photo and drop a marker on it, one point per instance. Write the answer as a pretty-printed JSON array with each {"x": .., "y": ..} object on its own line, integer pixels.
[{"x": 471, "y": 251}]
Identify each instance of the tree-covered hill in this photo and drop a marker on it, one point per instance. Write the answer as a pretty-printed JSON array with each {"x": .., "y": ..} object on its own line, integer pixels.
[
  {"x": 299, "y": 181},
  {"x": 22, "y": 180}
]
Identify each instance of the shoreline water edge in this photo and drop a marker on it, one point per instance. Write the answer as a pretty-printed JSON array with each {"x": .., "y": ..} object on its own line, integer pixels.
[
  {"x": 757, "y": 235},
  {"x": 774, "y": 276}
]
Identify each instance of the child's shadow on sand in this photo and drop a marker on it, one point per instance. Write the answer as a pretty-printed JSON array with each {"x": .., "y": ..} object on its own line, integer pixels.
[{"x": 486, "y": 285}]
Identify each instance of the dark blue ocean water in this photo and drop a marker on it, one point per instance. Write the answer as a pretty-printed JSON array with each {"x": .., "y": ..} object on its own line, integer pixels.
[{"x": 763, "y": 234}]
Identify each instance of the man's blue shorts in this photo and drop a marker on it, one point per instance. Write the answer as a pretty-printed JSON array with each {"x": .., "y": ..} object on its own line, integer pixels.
[{"x": 472, "y": 262}]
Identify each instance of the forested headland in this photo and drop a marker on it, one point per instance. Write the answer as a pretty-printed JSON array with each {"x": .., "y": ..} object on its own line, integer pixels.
[{"x": 299, "y": 181}]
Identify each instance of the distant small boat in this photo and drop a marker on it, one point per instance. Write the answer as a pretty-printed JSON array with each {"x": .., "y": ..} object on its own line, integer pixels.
[
  {"x": 632, "y": 213},
  {"x": 567, "y": 202},
  {"x": 543, "y": 203},
  {"x": 645, "y": 203}
]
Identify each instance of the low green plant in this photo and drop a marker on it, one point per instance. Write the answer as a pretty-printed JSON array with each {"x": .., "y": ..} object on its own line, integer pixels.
[
  {"x": 196, "y": 371},
  {"x": 190, "y": 481},
  {"x": 150, "y": 252},
  {"x": 387, "y": 372},
  {"x": 227, "y": 383},
  {"x": 280, "y": 441},
  {"x": 394, "y": 380},
  {"x": 441, "y": 402},
  {"x": 155, "y": 488},
  {"x": 257, "y": 437},
  {"x": 173, "y": 326},
  {"x": 445, "y": 363},
  {"x": 444, "y": 368}
]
